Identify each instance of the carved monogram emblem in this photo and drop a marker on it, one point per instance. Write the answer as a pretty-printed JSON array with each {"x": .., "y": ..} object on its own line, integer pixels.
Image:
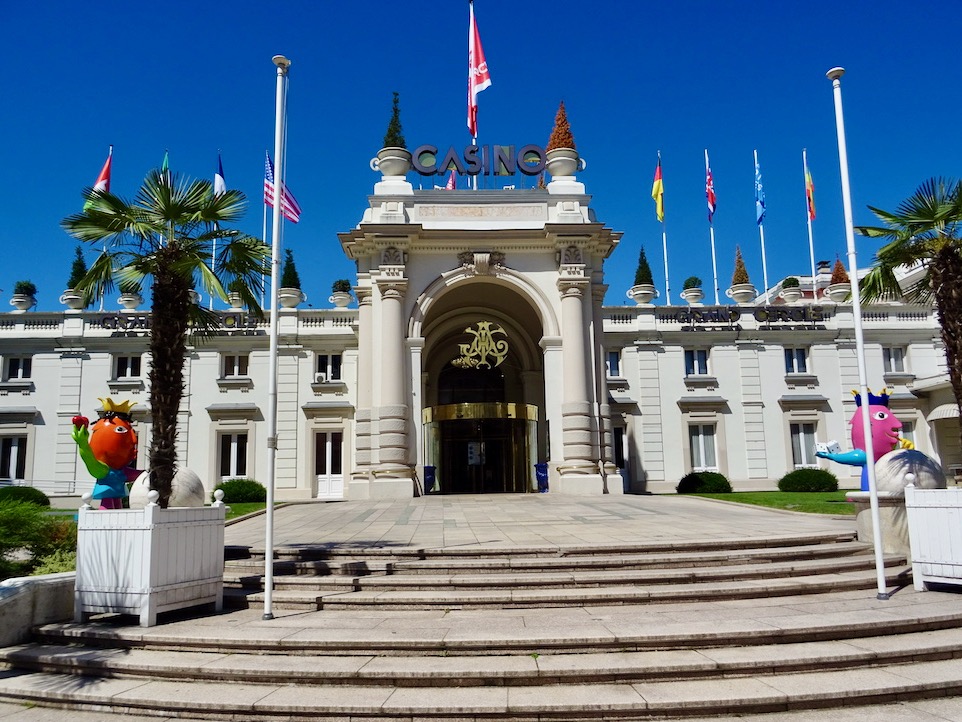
[{"x": 483, "y": 347}]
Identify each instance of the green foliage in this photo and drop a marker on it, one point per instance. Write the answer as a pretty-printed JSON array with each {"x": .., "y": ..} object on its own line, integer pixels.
[
  {"x": 643, "y": 272},
  {"x": 21, "y": 527},
  {"x": 341, "y": 285},
  {"x": 808, "y": 480},
  {"x": 832, "y": 502},
  {"x": 289, "y": 277},
  {"x": 242, "y": 490},
  {"x": 394, "y": 137},
  {"x": 78, "y": 269},
  {"x": 129, "y": 287},
  {"x": 561, "y": 136},
  {"x": 691, "y": 282},
  {"x": 704, "y": 482},
  {"x": 26, "y": 494},
  {"x": 791, "y": 282},
  {"x": 59, "y": 561},
  {"x": 25, "y": 288},
  {"x": 741, "y": 273},
  {"x": 839, "y": 274}
]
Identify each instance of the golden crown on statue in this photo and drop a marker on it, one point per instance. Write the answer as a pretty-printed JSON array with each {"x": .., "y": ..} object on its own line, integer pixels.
[{"x": 122, "y": 407}]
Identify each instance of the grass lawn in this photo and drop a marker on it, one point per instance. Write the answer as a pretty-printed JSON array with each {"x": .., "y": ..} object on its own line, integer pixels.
[
  {"x": 830, "y": 502},
  {"x": 245, "y": 508}
]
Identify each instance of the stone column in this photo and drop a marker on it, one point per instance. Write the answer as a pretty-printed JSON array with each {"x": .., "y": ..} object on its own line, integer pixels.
[
  {"x": 360, "y": 474},
  {"x": 613, "y": 480}
]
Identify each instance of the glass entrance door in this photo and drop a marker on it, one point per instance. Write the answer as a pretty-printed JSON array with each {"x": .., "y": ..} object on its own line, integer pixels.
[{"x": 328, "y": 464}]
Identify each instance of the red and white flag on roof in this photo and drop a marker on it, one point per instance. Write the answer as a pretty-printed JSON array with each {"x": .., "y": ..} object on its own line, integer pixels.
[
  {"x": 478, "y": 76},
  {"x": 289, "y": 206},
  {"x": 103, "y": 180},
  {"x": 452, "y": 183}
]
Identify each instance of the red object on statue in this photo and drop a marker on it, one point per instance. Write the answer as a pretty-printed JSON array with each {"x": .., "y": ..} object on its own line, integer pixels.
[{"x": 80, "y": 421}]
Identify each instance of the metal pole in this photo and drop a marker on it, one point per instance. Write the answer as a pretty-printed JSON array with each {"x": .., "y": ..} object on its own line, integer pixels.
[
  {"x": 834, "y": 75},
  {"x": 282, "y": 64}
]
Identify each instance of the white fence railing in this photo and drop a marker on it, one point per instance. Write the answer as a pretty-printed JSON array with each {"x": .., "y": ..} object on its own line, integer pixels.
[{"x": 49, "y": 487}]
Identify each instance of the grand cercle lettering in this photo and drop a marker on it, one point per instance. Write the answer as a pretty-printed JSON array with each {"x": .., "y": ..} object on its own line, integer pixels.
[
  {"x": 480, "y": 160},
  {"x": 764, "y": 314}
]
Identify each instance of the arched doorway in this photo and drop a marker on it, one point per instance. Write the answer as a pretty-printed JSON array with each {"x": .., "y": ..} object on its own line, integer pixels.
[{"x": 482, "y": 419}]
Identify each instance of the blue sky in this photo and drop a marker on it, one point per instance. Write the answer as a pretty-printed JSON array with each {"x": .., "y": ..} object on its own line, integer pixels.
[{"x": 636, "y": 78}]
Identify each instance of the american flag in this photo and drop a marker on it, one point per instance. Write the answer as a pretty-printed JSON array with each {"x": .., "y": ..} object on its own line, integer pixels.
[{"x": 289, "y": 206}]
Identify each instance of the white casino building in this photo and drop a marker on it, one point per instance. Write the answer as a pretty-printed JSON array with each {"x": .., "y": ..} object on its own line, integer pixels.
[{"x": 480, "y": 347}]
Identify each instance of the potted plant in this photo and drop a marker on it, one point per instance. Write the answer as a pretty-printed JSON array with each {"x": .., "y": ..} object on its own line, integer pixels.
[
  {"x": 741, "y": 290},
  {"x": 644, "y": 289},
  {"x": 24, "y": 295},
  {"x": 563, "y": 159},
  {"x": 290, "y": 294},
  {"x": 791, "y": 290},
  {"x": 71, "y": 297},
  {"x": 840, "y": 286},
  {"x": 234, "y": 297},
  {"x": 130, "y": 297},
  {"x": 340, "y": 293},
  {"x": 691, "y": 291},
  {"x": 394, "y": 159}
]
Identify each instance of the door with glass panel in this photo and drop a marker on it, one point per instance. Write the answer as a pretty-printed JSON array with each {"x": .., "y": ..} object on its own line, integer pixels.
[{"x": 328, "y": 464}]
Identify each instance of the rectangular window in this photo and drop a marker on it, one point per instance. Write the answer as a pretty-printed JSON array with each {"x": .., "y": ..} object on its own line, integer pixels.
[
  {"x": 127, "y": 367},
  {"x": 701, "y": 438},
  {"x": 235, "y": 365},
  {"x": 233, "y": 456},
  {"x": 614, "y": 364},
  {"x": 893, "y": 360},
  {"x": 696, "y": 362},
  {"x": 18, "y": 367},
  {"x": 795, "y": 361},
  {"x": 803, "y": 445},
  {"x": 908, "y": 431},
  {"x": 13, "y": 457},
  {"x": 329, "y": 365}
]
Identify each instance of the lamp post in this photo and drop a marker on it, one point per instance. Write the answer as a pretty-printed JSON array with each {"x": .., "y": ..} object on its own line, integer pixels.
[
  {"x": 283, "y": 64},
  {"x": 835, "y": 75}
]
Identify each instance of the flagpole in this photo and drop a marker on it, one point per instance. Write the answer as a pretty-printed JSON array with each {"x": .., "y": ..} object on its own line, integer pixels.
[
  {"x": 283, "y": 64},
  {"x": 808, "y": 217},
  {"x": 711, "y": 233},
  {"x": 834, "y": 75},
  {"x": 664, "y": 235},
  {"x": 264, "y": 236},
  {"x": 761, "y": 226}
]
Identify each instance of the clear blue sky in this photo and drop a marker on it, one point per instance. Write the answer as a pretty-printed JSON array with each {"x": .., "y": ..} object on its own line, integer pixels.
[{"x": 681, "y": 77}]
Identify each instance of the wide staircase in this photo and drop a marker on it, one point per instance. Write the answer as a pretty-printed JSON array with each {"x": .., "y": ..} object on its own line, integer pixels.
[{"x": 600, "y": 632}]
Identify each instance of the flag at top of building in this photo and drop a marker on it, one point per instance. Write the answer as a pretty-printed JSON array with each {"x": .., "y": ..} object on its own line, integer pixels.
[
  {"x": 220, "y": 184},
  {"x": 658, "y": 192},
  {"x": 452, "y": 183},
  {"x": 478, "y": 76},
  {"x": 809, "y": 192},
  {"x": 709, "y": 189},
  {"x": 289, "y": 206},
  {"x": 103, "y": 180},
  {"x": 759, "y": 195}
]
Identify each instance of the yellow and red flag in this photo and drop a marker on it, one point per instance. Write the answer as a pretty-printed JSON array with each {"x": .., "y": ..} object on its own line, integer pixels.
[{"x": 658, "y": 192}]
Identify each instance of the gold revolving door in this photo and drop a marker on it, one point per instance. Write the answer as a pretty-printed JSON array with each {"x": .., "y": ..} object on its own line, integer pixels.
[{"x": 480, "y": 448}]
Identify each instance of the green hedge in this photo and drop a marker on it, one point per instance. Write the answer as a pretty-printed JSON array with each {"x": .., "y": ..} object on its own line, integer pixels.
[
  {"x": 239, "y": 491},
  {"x": 704, "y": 482},
  {"x": 24, "y": 493},
  {"x": 808, "y": 480}
]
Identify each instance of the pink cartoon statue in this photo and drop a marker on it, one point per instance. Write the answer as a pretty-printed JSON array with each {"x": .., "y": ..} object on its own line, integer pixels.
[
  {"x": 107, "y": 450},
  {"x": 885, "y": 435}
]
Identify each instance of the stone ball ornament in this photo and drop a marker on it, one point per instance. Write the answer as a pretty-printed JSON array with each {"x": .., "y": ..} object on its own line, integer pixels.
[{"x": 895, "y": 470}]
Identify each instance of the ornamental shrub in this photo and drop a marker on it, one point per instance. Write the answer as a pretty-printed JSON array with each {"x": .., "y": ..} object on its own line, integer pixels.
[
  {"x": 21, "y": 525},
  {"x": 561, "y": 136},
  {"x": 341, "y": 285},
  {"x": 741, "y": 273},
  {"x": 808, "y": 480},
  {"x": 643, "y": 272},
  {"x": 691, "y": 282},
  {"x": 839, "y": 274},
  {"x": 289, "y": 275},
  {"x": 704, "y": 482},
  {"x": 791, "y": 282},
  {"x": 25, "y": 288},
  {"x": 59, "y": 561},
  {"x": 241, "y": 491},
  {"x": 78, "y": 269},
  {"x": 26, "y": 494},
  {"x": 394, "y": 137}
]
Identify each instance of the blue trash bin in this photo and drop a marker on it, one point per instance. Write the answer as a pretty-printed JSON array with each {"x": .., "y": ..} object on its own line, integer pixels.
[
  {"x": 429, "y": 478},
  {"x": 541, "y": 474}
]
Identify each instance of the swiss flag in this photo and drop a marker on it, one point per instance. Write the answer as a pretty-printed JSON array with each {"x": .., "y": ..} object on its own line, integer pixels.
[{"x": 478, "y": 76}]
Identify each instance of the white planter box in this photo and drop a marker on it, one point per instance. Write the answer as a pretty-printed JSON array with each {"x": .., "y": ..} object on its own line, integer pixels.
[
  {"x": 150, "y": 560},
  {"x": 935, "y": 534}
]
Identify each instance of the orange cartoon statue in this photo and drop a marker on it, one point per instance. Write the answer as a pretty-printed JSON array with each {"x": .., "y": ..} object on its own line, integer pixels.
[{"x": 107, "y": 449}]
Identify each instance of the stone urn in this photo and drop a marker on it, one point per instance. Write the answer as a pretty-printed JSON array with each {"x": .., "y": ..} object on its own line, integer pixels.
[
  {"x": 792, "y": 294},
  {"x": 392, "y": 162},
  {"x": 838, "y": 292},
  {"x": 130, "y": 301},
  {"x": 235, "y": 300},
  {"x": 741, "y": 293},
  {"x": 340, "y": 299},
  {"x": 22, "y": 302},
  {"x": 290, "y": 297},
  {"x": 692, "y": 296},
  {"x": 564, "y": 162},
  {"x": 72, "y": 299},
  {"x": 642, "y": 294}
]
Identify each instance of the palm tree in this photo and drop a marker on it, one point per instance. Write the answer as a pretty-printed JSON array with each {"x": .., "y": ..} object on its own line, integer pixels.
[
  {"x": 163, "y": 240},
  {"x": 927, "y": 230}
]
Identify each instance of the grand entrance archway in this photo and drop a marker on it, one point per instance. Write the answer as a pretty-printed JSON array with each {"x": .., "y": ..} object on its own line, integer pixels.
[{"x": 483, "y": 424}]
